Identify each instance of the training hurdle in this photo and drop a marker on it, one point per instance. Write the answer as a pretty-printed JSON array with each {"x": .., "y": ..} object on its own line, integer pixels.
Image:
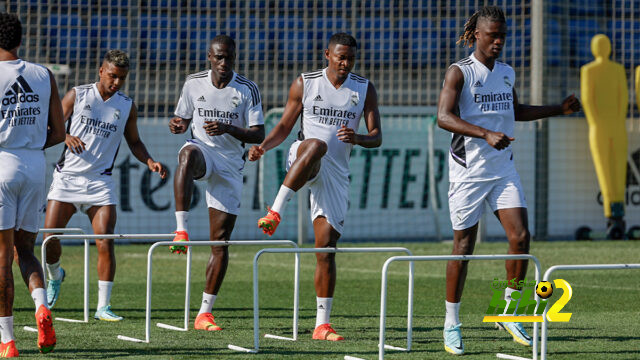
[
  {"x": 547, "y": 275},
  {"x": 256, "y": 305},
  {"x": 204, "y": 243},
  {"x": 87, "y": 238},
  {"x": 411, "y": 259}
]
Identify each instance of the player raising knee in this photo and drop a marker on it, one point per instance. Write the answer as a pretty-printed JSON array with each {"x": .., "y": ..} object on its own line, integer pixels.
[
  {"x": 30, "y": 105},
  {"x": 99, "y": 116},
  {"x": 224, "y": 111},
  {"x": 331, "y": 102},
  {"x": 479, "y": 105}
]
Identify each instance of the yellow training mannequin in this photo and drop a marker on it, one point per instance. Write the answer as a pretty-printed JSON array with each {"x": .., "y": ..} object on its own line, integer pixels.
[{"x": 605, "y": 99}]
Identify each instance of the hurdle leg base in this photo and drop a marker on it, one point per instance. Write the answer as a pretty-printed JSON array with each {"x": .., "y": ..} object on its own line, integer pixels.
[
  {"x": 170, "y": 327},
  {"x": 126, "y": 338},
  {"x": 396, "y": 348},
  {"x": 30, "y": 329},
  {"x": 347, "y": 357},
  {"x": 277, "y": 337},
  {"x": 511, "y": 357},
  {"x": 70, "y": 320},
  {"x": 241, "y": 349}
]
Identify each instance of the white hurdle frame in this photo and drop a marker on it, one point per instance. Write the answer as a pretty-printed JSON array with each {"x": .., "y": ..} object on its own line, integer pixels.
[
  {"x": 256, "y": 302},
  {"x": 547, "y": 275},
  {"x": 203, "y": 243},
  {"x": 86, "y": 238},
  {"x": 383, "y": 295}
]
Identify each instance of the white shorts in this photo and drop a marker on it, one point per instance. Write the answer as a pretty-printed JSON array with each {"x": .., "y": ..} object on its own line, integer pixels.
[
  {"x": 22, "y": 189},
  {"x": 224, "y": 185},
  {"x": 466, "y": 199},
  {"x": 329, "y": 191},
  {"x": 82, "y": 191}
]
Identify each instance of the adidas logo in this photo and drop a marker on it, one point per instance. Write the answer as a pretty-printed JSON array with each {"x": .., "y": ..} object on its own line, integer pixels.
[
  {"x": 87, "y": 107},
  {"x": 19, "y": 92},
  {"x": 320, "y": 307},
  {"x": 318, "y": 98},
  {"x": 201, "y": 98},
  {"x": 477, "y": 84}
]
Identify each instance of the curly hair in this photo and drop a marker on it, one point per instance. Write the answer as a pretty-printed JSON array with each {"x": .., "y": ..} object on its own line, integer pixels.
[
  {"x": 10, "y": 31},
  {"x": 343, "y": 39},
  {"x": 117, "y": 57},
  {"x": 491, "y": 13}
]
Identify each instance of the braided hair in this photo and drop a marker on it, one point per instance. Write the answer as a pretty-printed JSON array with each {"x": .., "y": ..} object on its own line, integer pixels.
[{"x": 492, "y": 13}]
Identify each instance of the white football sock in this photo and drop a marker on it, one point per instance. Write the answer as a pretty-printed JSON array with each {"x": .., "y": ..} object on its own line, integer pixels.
[
  {"x": 284, "y": 195},
  {"x": 104, "y": 293},
  {"x": 207, "y": 303},
  {"x": 54, "y": 271},
  {"x": 6, "y": 328},
  {"x": 453, "y": 314},
  {"x": 39, "y": 297},
  {"x": 182, "y": 218},
  {"x": 323, "y": 310},
  {"x": 507, "y": 296}
]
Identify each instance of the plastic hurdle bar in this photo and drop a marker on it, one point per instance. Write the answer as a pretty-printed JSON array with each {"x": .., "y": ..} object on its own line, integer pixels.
[
  {"x": 86, "y": 238},
  {"x": 547, "y": 275},
  {"x": 383, "y": 295},
  {"x": 256, "y": 306},
  {"x": 203, "y": 243}
]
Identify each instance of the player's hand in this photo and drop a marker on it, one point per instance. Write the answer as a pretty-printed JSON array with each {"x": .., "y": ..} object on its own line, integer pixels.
[
  {"x": 255, "y": 152},
  {"x": 178, "y": 125},
  {"x": 347, "y": 135},
  {"x": 570, "y": 105},
  {"x": 215, "y": 128},
  {"x": 156, "y": 166},
  {"x": 498, "y": 140},
  {"x": 74, "y": 144}
]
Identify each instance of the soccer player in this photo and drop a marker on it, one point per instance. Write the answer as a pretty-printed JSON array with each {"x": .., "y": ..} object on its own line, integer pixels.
[
  {"x": 479, "y": 105},
  {"x": 224, "y": 110},
  {"x": 31, "y": 120},
  {"x": 99, "y": 115},
  {"x": 331, "y": 102}
]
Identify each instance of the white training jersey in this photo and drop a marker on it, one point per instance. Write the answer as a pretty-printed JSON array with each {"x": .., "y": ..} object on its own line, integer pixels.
[
  {"x": 326, "y": 109},
  {"x": 100, "y": 125},
  {"x": 238, "y": 104},
  {"x": 486, "y": 100},
  {"x": 26, "y": 90}
]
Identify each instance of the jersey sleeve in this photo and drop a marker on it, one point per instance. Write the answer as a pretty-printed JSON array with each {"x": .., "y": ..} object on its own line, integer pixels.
[
  {"x": 253, "y": 110},
  {"x": 185, "y": 107}
]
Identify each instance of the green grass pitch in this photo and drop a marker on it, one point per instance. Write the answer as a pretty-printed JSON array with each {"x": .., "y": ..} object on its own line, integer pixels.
[{"x": 604, "y": 324}]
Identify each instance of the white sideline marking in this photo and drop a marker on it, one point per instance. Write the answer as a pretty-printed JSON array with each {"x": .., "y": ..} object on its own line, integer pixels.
[
  {"x": 126, "y": 338},
  {"x": 170, "y": 327},
  {"x": 30, "y": 329},
  {"x": 241, "y": 349},
  {"x": 278, "y": 337}
]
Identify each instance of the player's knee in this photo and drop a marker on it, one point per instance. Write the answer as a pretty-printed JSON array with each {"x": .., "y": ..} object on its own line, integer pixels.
[
  {"x": 187, "y": 156},
  {"x": 463, "y": 247},
  {"x": 519, "y": 242},
  {"x": 315, "y": 148},
  {"x": 326, "y": 258}
]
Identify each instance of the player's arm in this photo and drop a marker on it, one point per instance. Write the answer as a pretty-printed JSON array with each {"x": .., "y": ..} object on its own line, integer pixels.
[
  {"x": 180, "y": 123},
  {"x": 55, "y": 123},
  {"x": 448, "y": 120},
  {"x": 137, "y": 146},
  {"x": 372, "y": 118},
  {"x": 524, "y": 112},
  {"x": 280, "y": 132},
  {"x": 252, "y": 135},
  {"x": 73, "y": 143}
]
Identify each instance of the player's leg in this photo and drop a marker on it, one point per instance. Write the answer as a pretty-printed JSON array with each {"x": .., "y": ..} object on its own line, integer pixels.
[
  {"x": 220, "y": 227},
  {"x": 507, "y": 201},
  {"x": 103, "y": 221},
  {"x": 303, "y": 165},
  {"x": 34, "y": 279},
  {"x": 57, "y": 215},
  {"x": 191, "y": 166},
  {"x": 6, "y": 288},
  {"x": 325, "y": 278}
]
